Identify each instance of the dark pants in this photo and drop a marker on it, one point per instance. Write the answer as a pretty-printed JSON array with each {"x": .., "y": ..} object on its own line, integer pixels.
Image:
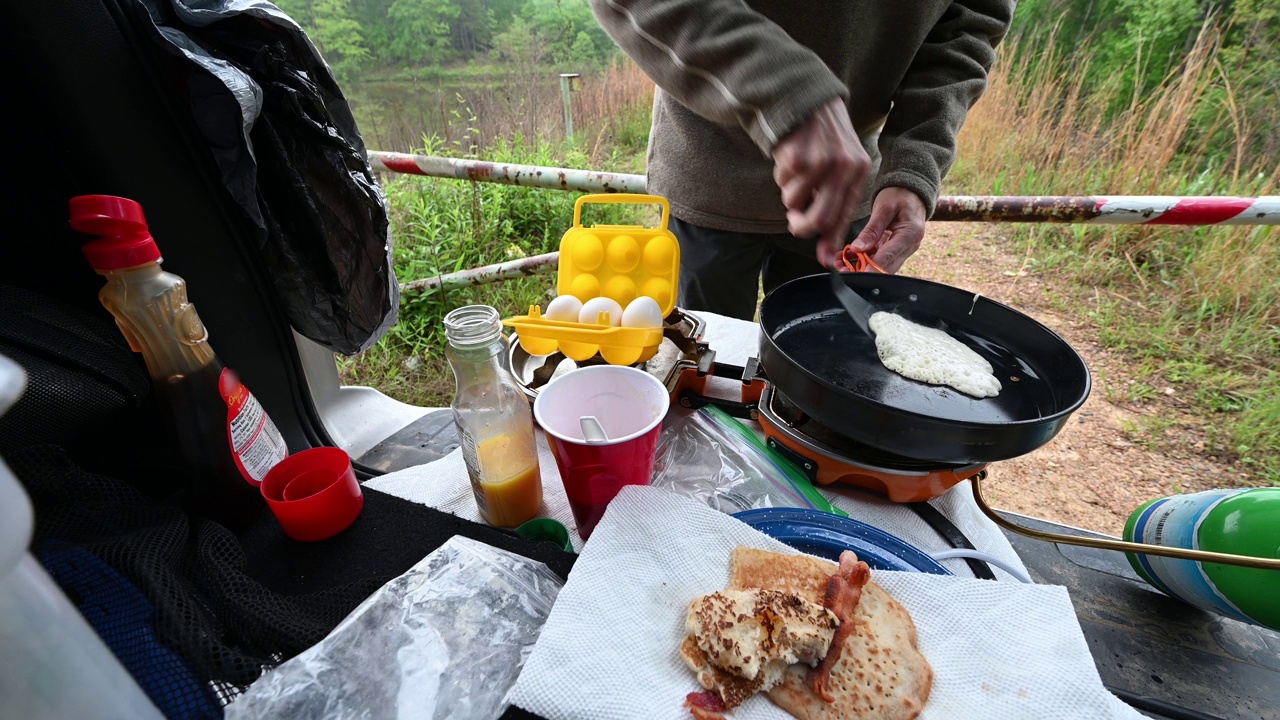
[{"x": 722, "y": 271}]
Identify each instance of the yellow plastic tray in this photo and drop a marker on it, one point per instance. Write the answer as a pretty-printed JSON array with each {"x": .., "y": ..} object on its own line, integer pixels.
[{"x": 620, "y": 262}]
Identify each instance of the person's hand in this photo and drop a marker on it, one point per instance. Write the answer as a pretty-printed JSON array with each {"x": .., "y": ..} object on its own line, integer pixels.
[
  {"x": 820, "y": 167},
  {"x": 895, "y": 228}
]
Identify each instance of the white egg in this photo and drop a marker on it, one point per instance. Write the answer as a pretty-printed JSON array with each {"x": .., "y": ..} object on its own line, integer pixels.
[
  {"x": 643, "y": 312},
  {"x": 592, "y": 308},
  {"x": 565, "y": 308}
]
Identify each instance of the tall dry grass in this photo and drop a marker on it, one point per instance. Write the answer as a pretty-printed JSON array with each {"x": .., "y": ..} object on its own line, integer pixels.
[
  {"x": 1199, "y": 306},
  {"x": 1038, "y": 132}
]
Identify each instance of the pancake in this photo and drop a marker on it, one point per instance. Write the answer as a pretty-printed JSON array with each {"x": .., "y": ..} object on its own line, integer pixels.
[
  {"x": 931, "y": 356},
  {"x": 880, "y": 673}
]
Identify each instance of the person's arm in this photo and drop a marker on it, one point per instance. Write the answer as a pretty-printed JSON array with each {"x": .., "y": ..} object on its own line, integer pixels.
[
  {"x": 918, "y": 142},
  {"x": 724, "y": 61},
  {"x": 731, "y": 65}
]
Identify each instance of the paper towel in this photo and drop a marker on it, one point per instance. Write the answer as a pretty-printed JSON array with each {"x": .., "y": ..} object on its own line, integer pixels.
[{"x": 609, "y": 648}]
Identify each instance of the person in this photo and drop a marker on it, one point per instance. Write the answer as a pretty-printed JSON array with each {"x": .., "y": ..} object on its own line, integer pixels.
[{"x": 785, "y": 129}]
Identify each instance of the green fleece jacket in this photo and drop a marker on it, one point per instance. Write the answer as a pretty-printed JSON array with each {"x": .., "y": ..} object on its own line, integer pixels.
[{"x": 735, "y": 76}]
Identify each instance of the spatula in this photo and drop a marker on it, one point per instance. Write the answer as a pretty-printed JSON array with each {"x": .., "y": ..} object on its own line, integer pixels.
[{"x": 859, "y": 309}]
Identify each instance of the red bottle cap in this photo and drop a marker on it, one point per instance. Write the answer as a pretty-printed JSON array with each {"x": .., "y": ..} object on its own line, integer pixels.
[
  {"x": 314, "y": 493},
  {"x": 124, "y": 242}
]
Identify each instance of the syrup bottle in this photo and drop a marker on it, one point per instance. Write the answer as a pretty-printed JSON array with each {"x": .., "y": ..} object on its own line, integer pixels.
[
  {"x": 226, "y": 438},
  {"x": 1242, "y": 521}
]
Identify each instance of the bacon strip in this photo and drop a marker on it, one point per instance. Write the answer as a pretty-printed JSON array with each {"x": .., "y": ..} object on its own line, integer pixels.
[
  {"x": 844, "y": 592},
  {"x": 705, "y": 705}
]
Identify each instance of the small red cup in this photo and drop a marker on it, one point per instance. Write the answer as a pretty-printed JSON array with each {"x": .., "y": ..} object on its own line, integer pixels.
[
  {"x": 630, "y": 405},
  {"x": 314, "y": 493}
]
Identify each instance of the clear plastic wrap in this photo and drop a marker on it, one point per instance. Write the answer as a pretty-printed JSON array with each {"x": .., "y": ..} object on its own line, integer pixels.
[
  {"x": 711, "y": 457},
  {"x": 445, "y": 640}
]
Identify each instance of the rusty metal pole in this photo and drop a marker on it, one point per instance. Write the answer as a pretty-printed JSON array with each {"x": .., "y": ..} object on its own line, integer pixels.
[
  {"x": 1092, "y": 210},
  {"x": 549, "y": 178},
  {"x": 523, "y": 267}
]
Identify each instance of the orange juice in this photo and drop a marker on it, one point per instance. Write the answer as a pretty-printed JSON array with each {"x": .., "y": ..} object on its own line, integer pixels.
[{"x": 509, "y": 489}]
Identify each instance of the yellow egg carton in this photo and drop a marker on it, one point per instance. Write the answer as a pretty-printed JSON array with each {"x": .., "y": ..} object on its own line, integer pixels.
[{"x": 621, "y": 262}]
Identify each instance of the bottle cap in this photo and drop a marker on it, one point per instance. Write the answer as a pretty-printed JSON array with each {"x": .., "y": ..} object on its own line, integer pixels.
[
  {"x": 124, "y": 239},
  {"x": 314, "y": 493}
]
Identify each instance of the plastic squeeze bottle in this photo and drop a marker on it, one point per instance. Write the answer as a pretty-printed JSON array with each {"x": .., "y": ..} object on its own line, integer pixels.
[
  {"x": 495, "y": 424},
  {"x": 226, "y": 438},
  {"x": 1242, "y": 521}
]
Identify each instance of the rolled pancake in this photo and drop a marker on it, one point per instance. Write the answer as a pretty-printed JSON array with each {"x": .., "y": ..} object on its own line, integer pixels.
[{"x": 881, "y": 672}]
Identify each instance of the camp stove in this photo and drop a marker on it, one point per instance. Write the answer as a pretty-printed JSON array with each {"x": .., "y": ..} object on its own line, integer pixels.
[
  {"x": 685, "y": 364},
  {"x": 825, "y": 454}
]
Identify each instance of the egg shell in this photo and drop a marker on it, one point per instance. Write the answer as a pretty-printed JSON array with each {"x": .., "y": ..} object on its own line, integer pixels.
[
  {"x": 565, "y": 308},
  {"x": 592, "y": 308},
  {"x": 643, "y": 312}
]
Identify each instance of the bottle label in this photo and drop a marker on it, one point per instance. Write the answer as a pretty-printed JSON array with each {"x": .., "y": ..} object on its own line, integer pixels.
[
  {"x": 472, "y": 459},
  {"x": 1175, "y": 522},
  {"x": 256, "y": 443}
]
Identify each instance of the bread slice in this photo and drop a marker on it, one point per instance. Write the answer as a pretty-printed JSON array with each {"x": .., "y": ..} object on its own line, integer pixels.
[{"x": 881, "y": 673}]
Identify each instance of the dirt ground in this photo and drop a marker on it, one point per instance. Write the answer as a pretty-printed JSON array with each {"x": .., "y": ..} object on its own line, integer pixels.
[{"x": 1105, "y": 462}]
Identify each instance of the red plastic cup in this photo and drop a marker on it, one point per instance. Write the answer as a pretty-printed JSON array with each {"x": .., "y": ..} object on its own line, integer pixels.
[
  {"x": 314, "y": 494},
  {"x": 630, "y": 405}
]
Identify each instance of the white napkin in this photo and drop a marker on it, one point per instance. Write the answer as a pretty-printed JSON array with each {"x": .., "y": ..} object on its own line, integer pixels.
[{"x": 609, "y": 649}]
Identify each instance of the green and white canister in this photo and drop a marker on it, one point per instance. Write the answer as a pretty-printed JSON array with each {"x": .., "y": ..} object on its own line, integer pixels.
[{"x": 1240, "y": 522}]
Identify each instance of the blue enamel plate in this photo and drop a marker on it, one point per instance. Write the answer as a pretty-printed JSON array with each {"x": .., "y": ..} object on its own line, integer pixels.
[{"x": 826, "y": 536}]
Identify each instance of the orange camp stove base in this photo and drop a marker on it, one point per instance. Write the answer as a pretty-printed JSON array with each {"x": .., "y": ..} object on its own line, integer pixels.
[{"x": 823, "y": 454}]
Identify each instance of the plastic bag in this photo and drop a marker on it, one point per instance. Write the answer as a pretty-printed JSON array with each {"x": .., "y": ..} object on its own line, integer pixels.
[
  {"x": 290, "y": 154},
  {"x": 709, "y": 456},
  {"x": 445, "y": 640}
]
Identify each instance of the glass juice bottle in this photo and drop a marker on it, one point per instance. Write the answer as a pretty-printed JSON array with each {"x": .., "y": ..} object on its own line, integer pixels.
[{"x": 495, "y": 424}]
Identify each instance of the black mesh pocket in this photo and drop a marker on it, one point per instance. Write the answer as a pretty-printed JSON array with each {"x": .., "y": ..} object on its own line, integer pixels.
[{"x": 83, "y": 381}]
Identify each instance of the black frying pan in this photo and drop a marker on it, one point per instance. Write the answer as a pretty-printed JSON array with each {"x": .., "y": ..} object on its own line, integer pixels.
[{"x": 814, "y": 354}]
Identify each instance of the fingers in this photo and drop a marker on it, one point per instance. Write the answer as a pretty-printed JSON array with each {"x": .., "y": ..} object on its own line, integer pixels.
[
  {"x": 820, "y": 168},
  {"x": 797, "y": 192},
  {"x": 882, "y": 214},
  {"x": 826, "y": 212},
  {"x": 904, "y": 239},
  {"x": 894, "y": 230},
  {"x": 828, "y": 252}
]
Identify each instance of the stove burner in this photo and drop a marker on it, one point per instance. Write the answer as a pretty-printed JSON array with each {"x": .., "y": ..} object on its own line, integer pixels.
[{"x": 838, "y": 444}]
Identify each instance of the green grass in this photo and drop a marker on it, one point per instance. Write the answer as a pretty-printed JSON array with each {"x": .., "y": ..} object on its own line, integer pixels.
[{"x": 443, "y": 226}]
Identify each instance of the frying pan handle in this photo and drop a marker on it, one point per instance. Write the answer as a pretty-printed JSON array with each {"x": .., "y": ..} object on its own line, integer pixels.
[
  {"x": 1119, "y": 545},
  {"x": 694, "y": 401}
]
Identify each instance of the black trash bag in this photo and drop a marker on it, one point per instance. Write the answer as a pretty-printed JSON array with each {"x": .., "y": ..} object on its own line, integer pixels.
[{"x": 289, "y": 151}]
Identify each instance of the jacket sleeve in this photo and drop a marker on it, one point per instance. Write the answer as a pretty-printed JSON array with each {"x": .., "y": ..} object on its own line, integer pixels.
[
  {"x": 724, "y": 61},
  {"x": 947, "y": 76}
]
